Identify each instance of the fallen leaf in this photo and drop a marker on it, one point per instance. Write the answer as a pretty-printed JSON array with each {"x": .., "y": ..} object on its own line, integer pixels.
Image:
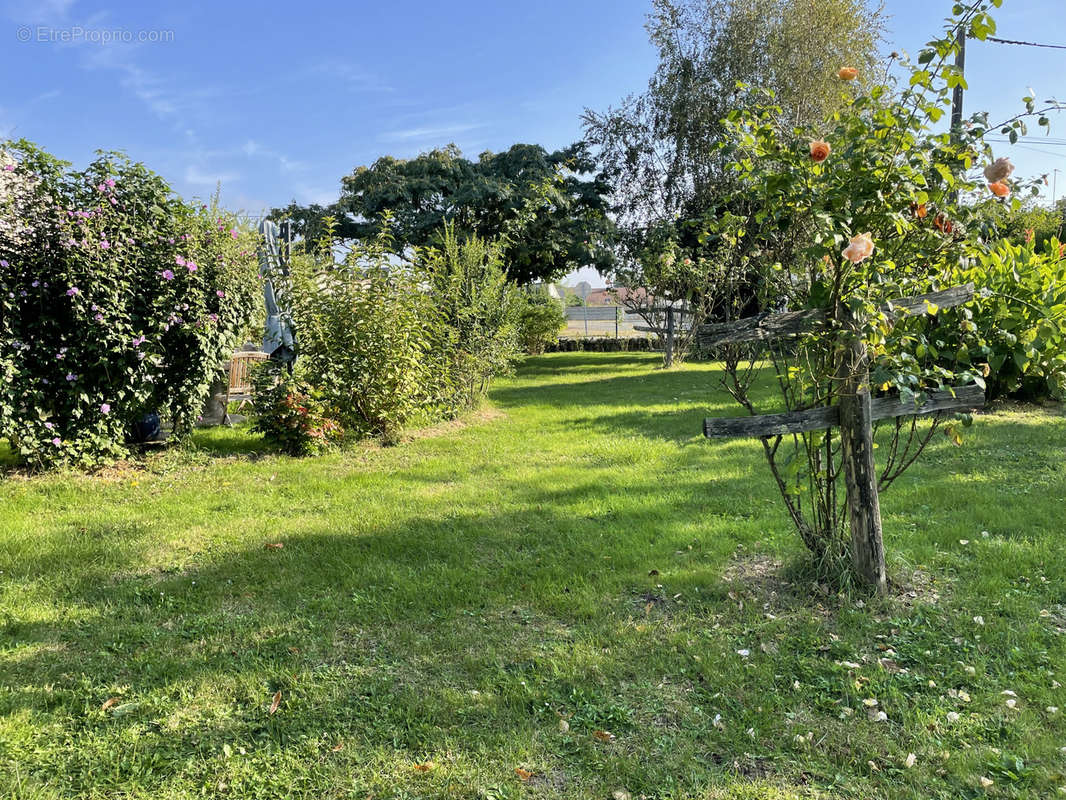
[
  {"x": 911, "y": 758},
  {"x": 338, "y": 747},
  {"x": 108, "y": 703},
  {"x": 603, "y": 736},
  {"x": 620, "y": 794},
  {"x": 564, "y": 726},
  {"x": 986, "y": 782},
  {"x": 276, "y": 702},
  {"x": 426, "y": 767},
  {"x": 273, "y": 545},
  {"x": 953, "y": 716},
  {"x": 524, "y": 774}
]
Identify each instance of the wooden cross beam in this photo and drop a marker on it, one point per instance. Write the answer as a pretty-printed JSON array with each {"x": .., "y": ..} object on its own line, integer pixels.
[
  {"x": 765, "y": 327},
  {"x": 815, "y": 419},
  {"x": 855, "y": 412}
]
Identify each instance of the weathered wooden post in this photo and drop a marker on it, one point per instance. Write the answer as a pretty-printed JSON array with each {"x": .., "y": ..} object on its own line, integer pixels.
[
  {"x": 857, "y": 454},
  {"x": 855, "y": 412}
]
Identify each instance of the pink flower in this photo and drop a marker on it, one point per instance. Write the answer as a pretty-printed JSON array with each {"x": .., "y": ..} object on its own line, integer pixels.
[
  {"x": 73, "y": 290},
  {"x": 191, "y": 266},
  {"x": 49, "y": 425},
  {"x": 99, "y": 317},
  {"x": 233, "y": 233},
  {"x": 179, "y": 261},
  {"x": 110, "y": 182},
  {"x": 168, "y": 275},
  {"x": 105, "y": 408},
  {"x": 859, "y": 249},
  {"x": 105, "y": 245},
  {"x": 220, "y": 293},
  {"x": 9, "y": 167},
  {"x": 3, "y": 263},
  {"x": 57, "y": 441},
  {"x": 71, "y": 377}
]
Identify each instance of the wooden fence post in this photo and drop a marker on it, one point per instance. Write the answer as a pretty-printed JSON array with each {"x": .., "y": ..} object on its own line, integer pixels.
[
  {"x": 860, "y": 473},
  {"x": 669, "y": 337}
]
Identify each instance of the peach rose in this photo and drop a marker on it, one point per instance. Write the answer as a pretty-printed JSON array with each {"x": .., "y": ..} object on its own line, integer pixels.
[
  {"x": 999, "y": 170},
  {"x": 999, "y": 189},
  {"x": 860, "y": 248},
  {"x": 943, "y": 224},
  {"x": 820, "y": 151},
  {"x": 847, "y": 73},
  {"x": 919, "y": 209}
]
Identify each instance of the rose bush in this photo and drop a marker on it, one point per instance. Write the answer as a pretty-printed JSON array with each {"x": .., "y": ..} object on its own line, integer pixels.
[
  {"x": 845, "y": 228},
  {"x": 116, "y": 299}
]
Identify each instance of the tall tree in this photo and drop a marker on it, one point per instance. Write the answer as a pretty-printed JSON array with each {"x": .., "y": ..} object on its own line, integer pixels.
[
  {"x": 548, "y": 207},
  {"x": 659, "y": 149}
]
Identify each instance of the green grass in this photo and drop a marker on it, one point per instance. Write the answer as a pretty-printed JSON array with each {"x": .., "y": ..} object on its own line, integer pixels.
[{"x": 577, "y": 552}]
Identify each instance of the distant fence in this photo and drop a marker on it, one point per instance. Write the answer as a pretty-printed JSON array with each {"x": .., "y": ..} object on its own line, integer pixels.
[
  {"x": 584, "y": 321},
  {"x": 600, "y": 321}
]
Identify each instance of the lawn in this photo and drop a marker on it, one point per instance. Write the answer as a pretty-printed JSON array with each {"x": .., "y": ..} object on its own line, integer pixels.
[{"x": 568, "y": 594}]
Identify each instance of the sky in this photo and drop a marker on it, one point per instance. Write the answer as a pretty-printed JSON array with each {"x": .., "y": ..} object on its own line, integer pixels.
[{"x": 277, "y": 103}]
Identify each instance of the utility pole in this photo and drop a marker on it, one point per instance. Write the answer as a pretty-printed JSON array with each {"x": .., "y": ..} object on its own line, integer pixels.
[
  {"x": 956, "y": 95},
  {"x": 1054, "y": 186}
]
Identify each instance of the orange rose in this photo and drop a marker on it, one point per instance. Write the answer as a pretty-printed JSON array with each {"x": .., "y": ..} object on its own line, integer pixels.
[
  {"x": 920, "y": 210},
  {"x": 847, "y": 73},
  {"x": 999, "y": 189},
  {"x": 860, "y": 248},
  {"x": 820, "y": 151},
  {"x": 943, "y": 224}
]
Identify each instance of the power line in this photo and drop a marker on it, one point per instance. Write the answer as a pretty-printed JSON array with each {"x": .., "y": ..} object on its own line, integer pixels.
[{"x": 1026, "y": 44}]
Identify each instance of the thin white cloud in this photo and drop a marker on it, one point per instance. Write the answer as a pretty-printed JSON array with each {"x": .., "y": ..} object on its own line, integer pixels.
[
  {"x": 426, "y": 133},
  {"x": 252, "y": 149},
  {"x": 41, "y": 12},
  {"x": 351, "y": 76},
  {"x": 201, "y": 176}
]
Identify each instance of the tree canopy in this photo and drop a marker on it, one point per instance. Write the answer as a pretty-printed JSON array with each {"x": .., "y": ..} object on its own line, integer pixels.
[
  {"x": 659, "y": 149},
  {"x": 548, "y": 207}
]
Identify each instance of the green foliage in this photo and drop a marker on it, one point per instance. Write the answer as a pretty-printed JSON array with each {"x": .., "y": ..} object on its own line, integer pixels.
[
  {"x": 550, "y": 216},
  {"x": 370, "y": 337},
  {"x": 540, "y": 321},
  {"x": 290, "y": 413},
  {"x": 1028, "y": 223},
  {"x": 889, "y": 190},
  {"x": 660, "y": 149},
  {"x": 574, "y": 300},
  {"x": 116, "y": 299},
  {"x": 1020, "y": 318},
  {"x": 480, "y": 308}
]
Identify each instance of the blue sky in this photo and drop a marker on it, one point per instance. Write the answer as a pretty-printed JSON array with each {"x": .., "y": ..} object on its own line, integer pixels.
[{"x": 279, "y": 103}]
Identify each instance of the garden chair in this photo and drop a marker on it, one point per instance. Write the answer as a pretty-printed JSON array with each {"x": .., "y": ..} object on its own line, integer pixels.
[{"x": 240, "y": 381}]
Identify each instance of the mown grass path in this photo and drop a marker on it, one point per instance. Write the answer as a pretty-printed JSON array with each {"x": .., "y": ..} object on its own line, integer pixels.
[{"x": 572, "y": 584}]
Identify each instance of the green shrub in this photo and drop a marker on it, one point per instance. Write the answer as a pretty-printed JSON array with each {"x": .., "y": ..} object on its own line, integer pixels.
[
  {"x": 1029, "y": 223},
  {"x": 116, "y": 299},
  {"x": 540, "y": 321},
  {"x": 369, "y": 337},
  {"x": 1020, "y": 317},
  {"x": 291, "y": 414},
  {"x": 480, "y": 309}
]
